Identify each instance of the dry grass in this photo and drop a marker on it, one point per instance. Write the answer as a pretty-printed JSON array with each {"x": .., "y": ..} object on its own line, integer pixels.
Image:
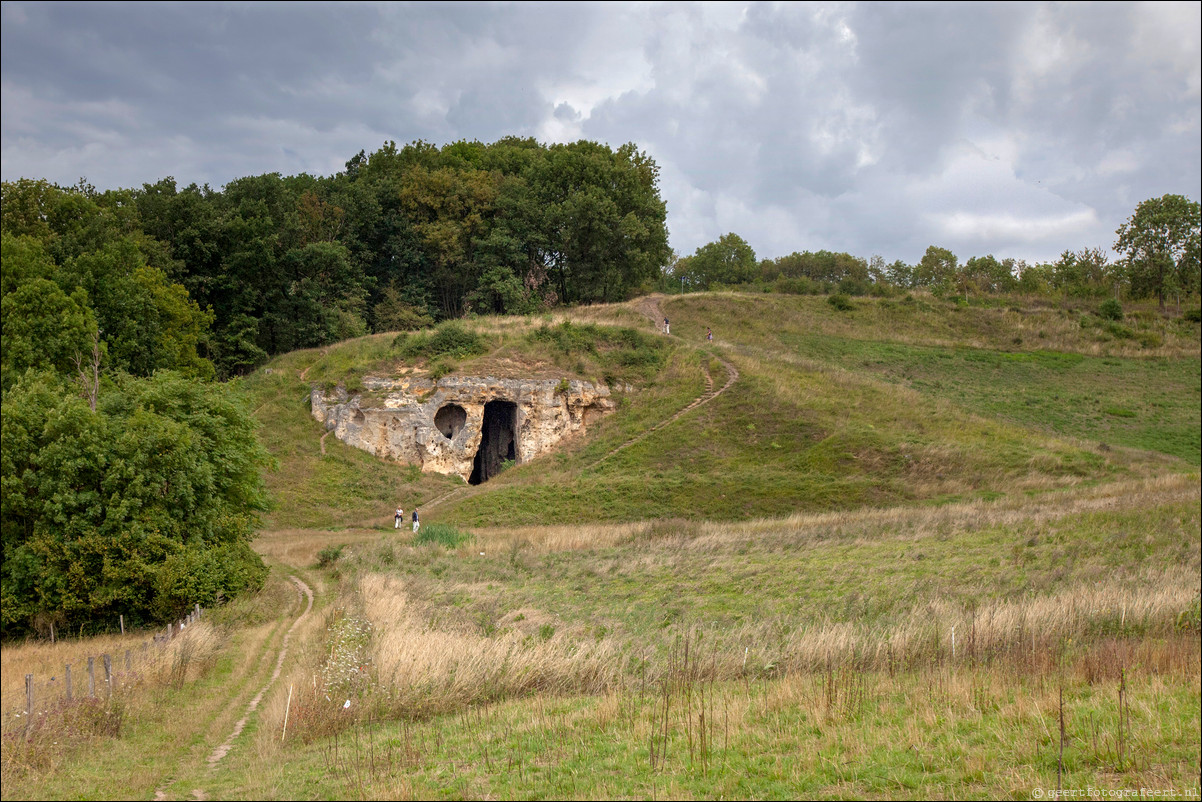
[
  {"x": 151, "y": 665},
  {"x": 33, "y": 745},
  {"x": 299, "y": 547},
  {"x": 913, "y": 523}
]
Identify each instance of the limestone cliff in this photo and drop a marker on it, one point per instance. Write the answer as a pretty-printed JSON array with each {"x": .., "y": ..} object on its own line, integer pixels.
[{"x": 461, "y": 425}]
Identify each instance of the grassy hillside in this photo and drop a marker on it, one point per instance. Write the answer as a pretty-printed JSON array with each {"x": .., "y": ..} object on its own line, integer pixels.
[
  {"x": 894, "y": 401},
  {"x": 915, "y": 549}
]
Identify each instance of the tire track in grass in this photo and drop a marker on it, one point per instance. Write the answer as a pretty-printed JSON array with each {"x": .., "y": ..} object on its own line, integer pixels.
[
  {"x": 215, "y": 757},
  {"x": 221, "y": 751}
]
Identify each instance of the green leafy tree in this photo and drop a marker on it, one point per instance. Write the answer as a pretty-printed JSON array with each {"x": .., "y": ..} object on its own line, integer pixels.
[
  {"x": 937, "y": 270},
  {"x": 107, "y": 511},
  {"x": 44, "y": 328},
  {"x": 1160, "y": 244},
  {"x": 728, "y": 260}
]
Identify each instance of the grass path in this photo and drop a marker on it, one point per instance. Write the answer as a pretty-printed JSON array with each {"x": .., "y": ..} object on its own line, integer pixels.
[{"x": 221, "y": 704}]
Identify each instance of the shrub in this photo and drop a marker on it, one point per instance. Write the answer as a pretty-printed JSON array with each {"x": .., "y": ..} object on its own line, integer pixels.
[
  {"x": 443, "y": 534},
  {"x": 800, "y": 285},
  {"x": 853, "y": 286},
  {"x": 329, "y": 555},
  {"x": 451, "y": 339},
  {"x": 1194, "y": 315},
  {"x": 841, "y": 302},
  {"x": 1111, "y": 309}
]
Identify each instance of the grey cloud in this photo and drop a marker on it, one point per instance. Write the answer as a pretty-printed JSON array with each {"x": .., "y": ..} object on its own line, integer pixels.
[{"x": 867, "y": 127}]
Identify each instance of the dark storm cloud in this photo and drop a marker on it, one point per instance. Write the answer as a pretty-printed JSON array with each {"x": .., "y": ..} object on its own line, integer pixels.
[{"x": 1019, "y": 128}]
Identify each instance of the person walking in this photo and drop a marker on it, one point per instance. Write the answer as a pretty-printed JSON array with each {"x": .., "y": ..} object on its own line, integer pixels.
[
  {"x": 396, "y": 519},
  {"x": 416, "y": 523},
  {"x": 667, "y": 330},
  {"x": 709, "y": 335}
]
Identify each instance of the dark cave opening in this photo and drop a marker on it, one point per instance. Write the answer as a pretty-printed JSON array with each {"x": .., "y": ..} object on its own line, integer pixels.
[{"x": 498, "y": 442}]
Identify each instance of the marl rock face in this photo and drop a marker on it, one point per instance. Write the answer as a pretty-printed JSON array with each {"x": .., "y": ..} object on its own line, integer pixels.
[{"x": 461, "y": 425}]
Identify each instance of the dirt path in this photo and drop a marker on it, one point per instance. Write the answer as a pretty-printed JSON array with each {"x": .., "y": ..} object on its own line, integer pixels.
[
  {"x": 709, "y": 394},
  {"x": 224, "y": 749},
  {"x": 191, "y": 769}
]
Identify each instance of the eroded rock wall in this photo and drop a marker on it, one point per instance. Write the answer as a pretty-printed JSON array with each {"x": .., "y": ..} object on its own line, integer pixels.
[{"x": 395, "y": 418}]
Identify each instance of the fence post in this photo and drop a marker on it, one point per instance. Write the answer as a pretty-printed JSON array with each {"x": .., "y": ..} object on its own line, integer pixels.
[
  {"x": 52, "y": 632},
  {"x": 108, "y": 675},
  {"x": 121, "y": 618},
  {"x": 92, "y": 677},
  {"x": 28, "y": 703},
  {"x": 198, "y": 611},
  {"x": 70, "y": 696}
]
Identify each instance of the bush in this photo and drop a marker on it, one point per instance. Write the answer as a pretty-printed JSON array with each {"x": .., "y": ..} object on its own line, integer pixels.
[
  {"x": 841, "y": 302},
  {"x": 451, "y": 339},
  {"x": 853, "y": 286},
  {"x": 1194, "y": 315},
  {"x": 329, "y": 555},
  {"x": 617, "y": 353},
  {"x": 1111, "y": 309},
  {"x": 800, "y": 285},
  {"x": 443, "y": 534}
]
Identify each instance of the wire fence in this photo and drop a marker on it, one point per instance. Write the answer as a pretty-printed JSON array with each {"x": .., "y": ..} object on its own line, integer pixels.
[{"x": 92, "y": 677}]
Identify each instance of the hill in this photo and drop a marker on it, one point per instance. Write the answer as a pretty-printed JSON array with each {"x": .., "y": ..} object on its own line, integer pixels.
[
  {"x": 880, "y": 548},
  {"x": 893, "y": 401}
]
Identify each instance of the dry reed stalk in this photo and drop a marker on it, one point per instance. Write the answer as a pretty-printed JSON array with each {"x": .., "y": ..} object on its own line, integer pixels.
[{"x": 427, "y": 670}]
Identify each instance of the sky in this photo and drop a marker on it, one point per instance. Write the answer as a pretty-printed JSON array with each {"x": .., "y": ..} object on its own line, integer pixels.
[{"x": 1015, "y": 129}]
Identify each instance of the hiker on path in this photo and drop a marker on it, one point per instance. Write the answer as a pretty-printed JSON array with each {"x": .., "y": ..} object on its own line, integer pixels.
[
  {"x": 709, "y": 335},
  {"x": 396, "y": 519},
  {"x": 416, "y": 524},
  {"x": 666, "y": 329}
]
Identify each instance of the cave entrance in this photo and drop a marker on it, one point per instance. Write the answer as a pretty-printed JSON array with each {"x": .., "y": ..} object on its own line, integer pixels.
[
  {"x": 449, "y": 420},
  {"x": 498, "y": 441}
]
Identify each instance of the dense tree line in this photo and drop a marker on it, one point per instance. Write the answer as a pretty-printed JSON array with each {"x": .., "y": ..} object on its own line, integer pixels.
[
  {"x": 401, "y": 238},
  {"x": 1158, "y": 247},
  {"x": 129, "y": 480}
]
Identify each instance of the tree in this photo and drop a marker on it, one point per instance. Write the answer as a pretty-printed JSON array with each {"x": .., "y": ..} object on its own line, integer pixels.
[
  {"x": 937, "y": 269},
  {"x": 1160, "y": 245},
  {"x": 141, "y": 507},
  {"x": 729, "y": 260}
]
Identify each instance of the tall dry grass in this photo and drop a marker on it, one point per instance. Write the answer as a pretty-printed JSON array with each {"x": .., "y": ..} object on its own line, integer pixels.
[
  {"x": 35, "y": 742},
  {"x": 427, "y": 670}
]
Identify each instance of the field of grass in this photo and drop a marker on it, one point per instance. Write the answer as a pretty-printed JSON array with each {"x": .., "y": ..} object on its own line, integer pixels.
[
  {"x": 919, "y": 549},
  {"x": 906, "y": 652}
]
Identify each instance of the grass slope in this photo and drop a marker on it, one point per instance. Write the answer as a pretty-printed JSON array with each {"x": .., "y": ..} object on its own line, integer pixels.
[{"x": 895, "y": 401}]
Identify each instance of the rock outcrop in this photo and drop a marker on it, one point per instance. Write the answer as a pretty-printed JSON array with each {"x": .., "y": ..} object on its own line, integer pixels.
[{"x": 461, "y": 425}]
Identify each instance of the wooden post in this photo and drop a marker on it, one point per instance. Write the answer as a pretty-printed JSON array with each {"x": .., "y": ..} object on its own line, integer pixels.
[
  {"x": 92, "y": 677},
  {"x": 198, "y": 611},
  {"x": 52, "y": 632},
  {"x": 121, "y": 619},
  {"x": 70, "y": 696},
  {"x": 108, "y": 675},
  {"x": 28, "y": 703}
]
